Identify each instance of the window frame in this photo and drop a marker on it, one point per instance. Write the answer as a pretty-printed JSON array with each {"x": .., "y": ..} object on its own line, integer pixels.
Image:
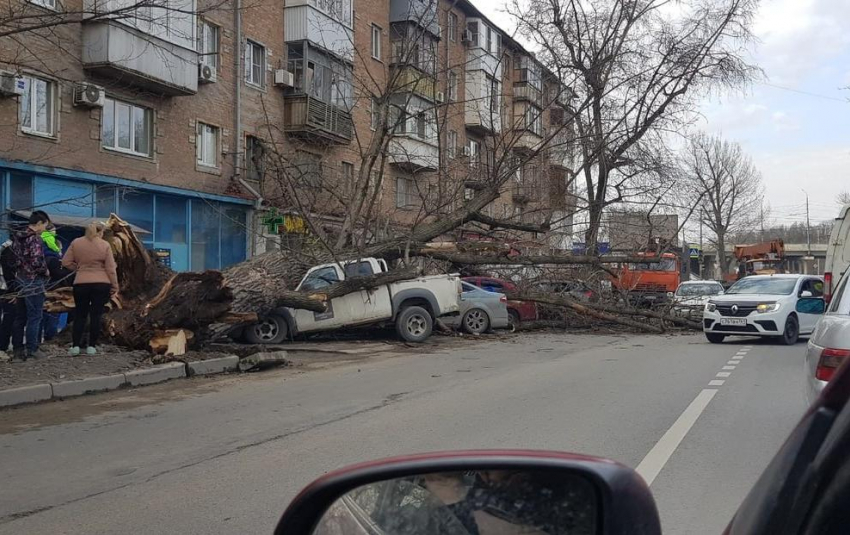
[
  {"x": 453, "y": 25},
  {"x": 405, "y": 200},
  {"x": 200, "y": 144},
  {"x": 205, "y": 56},
  {"x": 452, "y": 86},
  {"x": 251, "y": 45},
  {"x": 252, "y": 171},
  {"x": 376, "y": 48},
  {"x": 451, "y": 141},
  {"x": 31, "y": 97},
  {"x": 149, "y": 122},
  {"x": 52, "y": 5}
]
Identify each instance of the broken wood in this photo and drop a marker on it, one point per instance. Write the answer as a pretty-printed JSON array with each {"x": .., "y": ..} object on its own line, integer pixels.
[{"x": 172, "y": 343}]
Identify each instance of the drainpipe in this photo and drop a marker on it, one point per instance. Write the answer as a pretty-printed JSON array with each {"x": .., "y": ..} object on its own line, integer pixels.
[{"x": 237, "y": 90}]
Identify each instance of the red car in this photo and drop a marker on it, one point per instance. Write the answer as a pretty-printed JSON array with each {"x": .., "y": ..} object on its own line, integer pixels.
[{"x": 518, "y": 311}]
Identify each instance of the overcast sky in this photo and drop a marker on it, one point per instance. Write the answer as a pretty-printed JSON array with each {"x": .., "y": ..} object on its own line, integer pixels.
[{"x": 796, "y": 125}]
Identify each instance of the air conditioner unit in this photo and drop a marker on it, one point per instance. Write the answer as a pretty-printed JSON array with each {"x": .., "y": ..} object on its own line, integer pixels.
[
  {"x": 284, "y": 78},
  {"x": 11, "y": 84},
  {"x": 89, "y": 95},
  {"x": 466, "y": 151},
  {"x": 206, "y": 74},
  {"x": 441, "y": 97},
  {"x": 466, "y": 36}
]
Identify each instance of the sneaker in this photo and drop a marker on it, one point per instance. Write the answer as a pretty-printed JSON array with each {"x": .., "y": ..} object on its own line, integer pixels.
[
  {"x": 37, "y": 354},
  {"x": 91, "y": 350},
  {"x": 74, "y": 351}
]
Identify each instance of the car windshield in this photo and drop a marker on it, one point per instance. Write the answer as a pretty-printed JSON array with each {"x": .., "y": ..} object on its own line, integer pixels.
[
  {"x": 763, "y": 286},
  {"x": 694, "y": 290}
]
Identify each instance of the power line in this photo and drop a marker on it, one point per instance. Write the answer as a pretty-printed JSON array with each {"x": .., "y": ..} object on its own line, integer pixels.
[{"x": 807, "y": 93}]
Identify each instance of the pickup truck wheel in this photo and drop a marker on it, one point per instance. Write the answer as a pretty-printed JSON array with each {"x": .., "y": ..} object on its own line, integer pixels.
[
  {"x": 414, "y": 324},
  {"x": 476, "y": 321},
  {"x": 513, "y": 320},
  {"x": 269, "y": 330}
]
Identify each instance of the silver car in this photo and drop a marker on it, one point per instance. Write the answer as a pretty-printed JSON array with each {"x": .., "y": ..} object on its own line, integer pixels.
[
  {"x": 829, "y": 345},
  {"x": 480, "y": 310}
]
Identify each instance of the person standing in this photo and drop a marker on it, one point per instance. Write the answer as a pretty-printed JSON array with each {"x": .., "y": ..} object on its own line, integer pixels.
[
  {"x": 96, "y": 279},
  {"x": 59, "y": 277},
  {"x": 31, "y": 275},
  {"x": 8, "y": 288}
]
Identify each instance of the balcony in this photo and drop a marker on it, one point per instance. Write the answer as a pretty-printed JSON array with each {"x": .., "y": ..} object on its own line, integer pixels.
[
  {"x": 412, "y": 80},
  {"x": 522, "y": 193},
  {"x": 304, "y": 21},
  {"x": 527, "y": 142},
  {"x": 413, "y": 154},
  {"x": 316, "y": 121},
  {"x": 481, "y": 120},
  {"x": 127, "y": 55},
  {"x": 423, "y": 14},
  {"x": 561, "y": 152},
  {"x": 527, "y": 92}
]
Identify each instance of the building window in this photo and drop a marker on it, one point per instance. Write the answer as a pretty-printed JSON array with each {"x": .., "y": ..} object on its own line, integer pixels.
[
  {"x": 49, "y": 4},
  {"x": 495, "y": 94},
  {"x": 255, "y": 153},
  {"x": 375, "y": 113},
  {"x": 452, "y": 86},
  {"x": 208, "y": 39},
  {"x": 452, "y": 27},
  {"x": 452, "y": 142},
  {"x": 376, "y": 42},
  {"x": 472, "y": 28},
  {"x": 207, "y": 145},
  {"x": 473, "y": 147},
  {"x": 534, "y": 120},
  {"x": 126, "y": 127},
  {"x": 405, "y": 193},
  {"x": 36, "y": 109},
  {"x": 255, "y": 64},
  {"x": 347, "y": 176}
]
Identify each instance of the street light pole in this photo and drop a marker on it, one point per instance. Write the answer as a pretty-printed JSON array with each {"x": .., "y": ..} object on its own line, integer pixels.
[{"x": 808, "y": 227}]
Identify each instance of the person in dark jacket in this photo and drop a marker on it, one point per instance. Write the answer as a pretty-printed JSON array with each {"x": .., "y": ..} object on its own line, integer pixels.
[
  {"x": 31, "y": 277},
  {"x": 8, "y": 288}
]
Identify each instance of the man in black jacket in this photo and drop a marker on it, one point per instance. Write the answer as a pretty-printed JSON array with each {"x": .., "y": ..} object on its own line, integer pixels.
[{"x": 8, "y": 288}]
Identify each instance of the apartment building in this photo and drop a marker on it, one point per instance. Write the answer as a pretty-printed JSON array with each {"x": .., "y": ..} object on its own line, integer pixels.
[{"x": 215, "y": 125}]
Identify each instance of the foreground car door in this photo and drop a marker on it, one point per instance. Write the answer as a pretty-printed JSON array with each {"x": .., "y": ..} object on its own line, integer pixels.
[
  {"x": 810, "y": 304},
  {"x": 806, "y": 487}
]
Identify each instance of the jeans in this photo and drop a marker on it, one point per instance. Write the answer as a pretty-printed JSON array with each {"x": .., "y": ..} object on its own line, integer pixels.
[
  {"x": 49, "y": 326},
  {"x": 7, "y": 308},
  {"x": 30, "y": 308},
  {"x": 89, "y": 303}
]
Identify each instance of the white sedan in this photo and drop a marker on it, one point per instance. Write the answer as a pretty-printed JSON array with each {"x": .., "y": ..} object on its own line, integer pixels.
[{"x": 778, "y": 306}]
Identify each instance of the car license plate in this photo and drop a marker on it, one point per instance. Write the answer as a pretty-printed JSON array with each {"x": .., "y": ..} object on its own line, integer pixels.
[{"x": 736, "y": 322}]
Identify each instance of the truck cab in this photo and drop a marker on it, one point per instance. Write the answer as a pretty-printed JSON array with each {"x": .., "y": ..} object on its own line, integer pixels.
[{"x": 650, "y": 282}]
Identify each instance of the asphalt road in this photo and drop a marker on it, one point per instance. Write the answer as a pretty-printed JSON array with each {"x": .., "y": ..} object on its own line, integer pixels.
[{"x": 226, "y": 455}]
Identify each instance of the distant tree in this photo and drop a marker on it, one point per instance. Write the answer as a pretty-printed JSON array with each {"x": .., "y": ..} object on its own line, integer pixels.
[{"x": 843, "y": 198}]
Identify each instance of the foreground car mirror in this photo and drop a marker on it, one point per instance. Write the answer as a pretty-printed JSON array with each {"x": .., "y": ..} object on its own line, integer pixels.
[{"x": 484, "y": 492}]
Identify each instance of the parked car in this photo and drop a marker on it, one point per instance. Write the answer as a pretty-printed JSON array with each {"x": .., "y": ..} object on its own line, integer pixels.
[
  {"x": 481, "y": 310},
  {"x": 778, "y": 306},
  {"x": 829, "y": 345},
  {"x": 518, "y": 311},
  {"x": 577, "y": 290},
  {"x": 411, "y": 305},
  {"x": 692, "y": 296},
  {"x": 837, "y": 252}
]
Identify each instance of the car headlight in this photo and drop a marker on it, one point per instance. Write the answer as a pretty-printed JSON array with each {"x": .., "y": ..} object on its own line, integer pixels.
[
  {"x": 767, "y": 307},
  {"x": 710, "y": 307}
]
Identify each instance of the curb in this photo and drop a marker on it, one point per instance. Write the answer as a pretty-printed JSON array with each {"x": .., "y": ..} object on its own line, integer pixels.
[{"x": 102, "y": 383}]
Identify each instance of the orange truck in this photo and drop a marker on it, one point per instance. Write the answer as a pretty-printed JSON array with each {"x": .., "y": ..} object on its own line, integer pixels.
[
  {"x": 766, "y": 258},
  {"x": 650, "y": 282}
]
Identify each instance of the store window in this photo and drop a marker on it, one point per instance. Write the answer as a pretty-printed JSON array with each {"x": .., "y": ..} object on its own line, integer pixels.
[
  {"x": 206, "y": 224},
  {"x": 20, "y": 192},
  {"x": 104, "y": 201},
  {"x": 234, "y": 236},
  {"x": 136, "y": 207},
  {"x": 170, "y": 219}
]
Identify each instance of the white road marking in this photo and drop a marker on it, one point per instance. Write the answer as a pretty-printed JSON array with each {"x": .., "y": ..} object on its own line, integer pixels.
[
  {"x": 729, "y": 367},
  {"x": 651, "y": 465},
  {"x": 733, "y": 361},
  {"x": 716, "y": 382},
  {"x": 740, "y": 354},
  {"x": 723, "y": 374}
]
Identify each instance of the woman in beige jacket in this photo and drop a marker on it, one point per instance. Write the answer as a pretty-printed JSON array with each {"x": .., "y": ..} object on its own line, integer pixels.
[{"x": 96, "y": 279}]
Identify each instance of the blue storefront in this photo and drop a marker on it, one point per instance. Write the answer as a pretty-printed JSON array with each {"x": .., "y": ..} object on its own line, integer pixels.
[{"x": 190, "y": 230}]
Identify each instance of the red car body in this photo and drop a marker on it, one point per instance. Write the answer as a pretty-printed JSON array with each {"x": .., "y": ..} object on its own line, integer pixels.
[{"x": 522, "y": 310}]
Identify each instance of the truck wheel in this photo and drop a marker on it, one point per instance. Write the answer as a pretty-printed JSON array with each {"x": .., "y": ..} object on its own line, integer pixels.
[
  {"x": 414, "y": 324},
  {"x": 269, "y": 330},
  {"x": 476, "y": 321},
  {"x": 715, "y": 338},
  {"x": 791, "y": 333}
]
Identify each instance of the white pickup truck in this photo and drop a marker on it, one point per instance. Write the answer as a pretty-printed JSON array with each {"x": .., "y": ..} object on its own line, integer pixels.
[{"x": 412, "y": 305}]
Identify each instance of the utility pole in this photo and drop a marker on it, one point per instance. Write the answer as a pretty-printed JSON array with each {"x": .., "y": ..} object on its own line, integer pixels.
[
  {"x": 701, "y": 218},
  {"x": 762, "y": 222},
  {"x": 808, "y": 228}
]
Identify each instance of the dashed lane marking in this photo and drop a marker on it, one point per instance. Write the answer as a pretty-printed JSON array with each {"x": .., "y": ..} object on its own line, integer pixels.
[
  {"x": 651, "y": 465},
  {"x": 729, "y": 367},
  {"x": 723, "y": 374},
  {"x": 716, "y": 382}
]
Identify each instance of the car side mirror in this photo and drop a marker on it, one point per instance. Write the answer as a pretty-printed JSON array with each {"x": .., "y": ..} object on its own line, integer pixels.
[
  {"x": 806, "y": 293},
  {"x": 528, "y": 492}
]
